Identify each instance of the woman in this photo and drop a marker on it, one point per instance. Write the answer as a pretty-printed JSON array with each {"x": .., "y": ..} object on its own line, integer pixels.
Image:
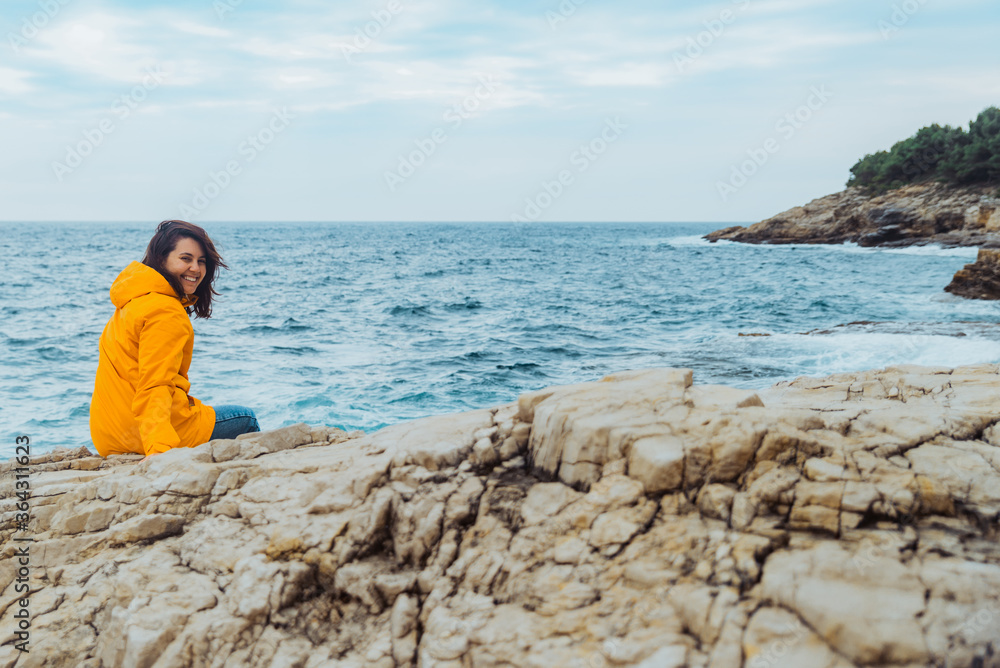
[{"x": 140, "y": 402}]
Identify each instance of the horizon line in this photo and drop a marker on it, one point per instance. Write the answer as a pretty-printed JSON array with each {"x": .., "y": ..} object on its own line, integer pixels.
[{"x": 396, "y": 222}]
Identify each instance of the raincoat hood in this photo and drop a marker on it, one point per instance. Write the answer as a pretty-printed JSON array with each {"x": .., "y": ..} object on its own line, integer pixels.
[{"x": 137, "y": 280}]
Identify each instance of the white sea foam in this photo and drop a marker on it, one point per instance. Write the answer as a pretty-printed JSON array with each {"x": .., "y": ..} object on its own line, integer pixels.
[
  {"x": 929, "y": 250},
  {"x": 933, "y": 250},
  {"x": 824, "y": 354},
  {"x": 692, "y": 240}
]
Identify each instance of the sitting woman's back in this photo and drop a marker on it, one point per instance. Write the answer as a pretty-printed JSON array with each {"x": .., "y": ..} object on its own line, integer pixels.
[{"x": 140, "y": 402}]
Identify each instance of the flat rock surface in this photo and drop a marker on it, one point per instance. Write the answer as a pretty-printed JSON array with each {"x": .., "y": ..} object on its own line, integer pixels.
[
  {"x": 927, "y": 213},
  {"x": 640, "y": 520}
]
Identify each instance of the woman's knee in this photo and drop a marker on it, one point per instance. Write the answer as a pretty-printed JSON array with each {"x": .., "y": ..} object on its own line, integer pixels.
[
  {"x": 232, "y": 420},
  {"x": 251, "y": 422}
]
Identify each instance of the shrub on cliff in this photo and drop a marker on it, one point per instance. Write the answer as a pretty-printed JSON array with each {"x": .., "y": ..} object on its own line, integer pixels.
[{"x": 936, "y": 153}]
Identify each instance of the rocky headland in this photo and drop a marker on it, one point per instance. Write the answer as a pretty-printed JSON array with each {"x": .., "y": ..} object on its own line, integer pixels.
[
  {"x": 917, "y": 214},
  {"x": 640, "y": 520}
]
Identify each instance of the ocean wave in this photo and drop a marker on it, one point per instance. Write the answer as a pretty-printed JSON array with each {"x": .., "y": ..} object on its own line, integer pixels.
[
  {"x": 930, "y": 250},
  {"x": 293, "y": 324},
  {"x": 958, "y": 328},
  {"x": 519, "y": 366},
  {"x": 402, "y": 310},
  {"x": 53, "y": 354},
  {"x": 257, "y": 329},
  {"x": 840, "y": 352},
  {"x": 15, "y": 342},
  {"x": 691, "y": 240},
  {"x": 313, "y": 401},
  {"x": 295, "y": 350},
  {"x": 289, "y": 325},
  {"x": 927, "y": 250},
  {"x": 467, "y": 305},
  {"x": 414, "y": 398}
]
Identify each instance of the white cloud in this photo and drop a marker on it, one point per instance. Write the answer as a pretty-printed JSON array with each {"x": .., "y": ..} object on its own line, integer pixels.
[
  {"x": 98, "y": 45},
  {"x": 199, "y": 29},
  {"x": 773, "y": 44},
  {"x": 14, "y": 82},
  {"x": 628, "y": 74},
  {"x": 783, "y": 6}
]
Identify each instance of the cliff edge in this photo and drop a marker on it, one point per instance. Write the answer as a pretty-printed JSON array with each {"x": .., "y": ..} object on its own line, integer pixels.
[
  {"x": 640, "y": 520},
  {"x": 926, "y": 213}
]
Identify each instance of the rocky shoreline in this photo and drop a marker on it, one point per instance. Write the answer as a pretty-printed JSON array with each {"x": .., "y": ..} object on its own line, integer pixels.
[
  {"x": 640, "y": 520},
  {"x": 919, "y": 214}
]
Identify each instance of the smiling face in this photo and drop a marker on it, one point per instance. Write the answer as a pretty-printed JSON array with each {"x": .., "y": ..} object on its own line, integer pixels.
[{"x": 187, "y": 261}]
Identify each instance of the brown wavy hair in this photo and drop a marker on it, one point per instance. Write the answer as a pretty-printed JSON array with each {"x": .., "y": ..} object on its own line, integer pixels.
[{"x": 163, "y": 243}]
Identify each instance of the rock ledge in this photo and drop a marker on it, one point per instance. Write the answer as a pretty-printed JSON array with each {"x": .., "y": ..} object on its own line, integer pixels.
[
  {"x": 640, "y": 520},
  {"x": 918, "y": 214}
]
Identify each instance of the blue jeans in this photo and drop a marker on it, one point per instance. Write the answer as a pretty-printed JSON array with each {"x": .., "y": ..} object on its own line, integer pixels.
[{"x": 231, "y": 421}]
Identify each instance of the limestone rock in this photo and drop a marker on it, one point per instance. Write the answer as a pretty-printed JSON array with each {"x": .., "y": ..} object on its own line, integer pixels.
[
  {"x": 979, "y": 280},
  {"x": 914, "y": 214},
  {"x": 640, "y": 520},
  {"x": 776, "y": 637},
  {"x": 658, "y": 463}
]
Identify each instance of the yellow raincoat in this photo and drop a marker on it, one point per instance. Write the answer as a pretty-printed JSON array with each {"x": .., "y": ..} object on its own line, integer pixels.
[{"x": 140, "y": 402}]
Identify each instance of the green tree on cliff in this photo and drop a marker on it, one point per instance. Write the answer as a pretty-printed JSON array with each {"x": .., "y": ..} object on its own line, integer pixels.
[
  {"x": 936, "y": 153},
  {"x": 977, "y": 160}
]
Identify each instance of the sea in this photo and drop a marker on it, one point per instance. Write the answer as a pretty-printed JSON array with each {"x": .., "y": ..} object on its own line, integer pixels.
[{"x": 361, "y": 326}]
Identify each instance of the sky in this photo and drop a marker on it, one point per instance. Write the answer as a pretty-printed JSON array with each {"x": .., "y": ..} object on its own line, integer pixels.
[{"x": 436, "y": 110}]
